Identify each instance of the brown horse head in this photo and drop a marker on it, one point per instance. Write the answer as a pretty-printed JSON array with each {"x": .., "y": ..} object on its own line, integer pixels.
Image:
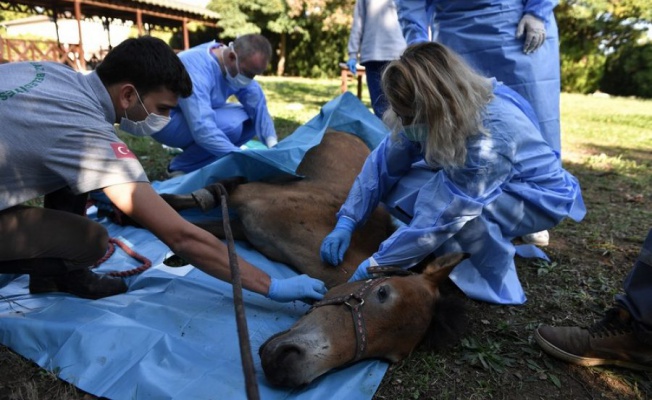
[{"x": 379, "y": 318}]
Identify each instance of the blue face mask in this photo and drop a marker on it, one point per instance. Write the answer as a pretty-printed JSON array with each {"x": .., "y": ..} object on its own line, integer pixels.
[
  {"x": 238, "y": 81},
  {"x": 416, "y": 132}
]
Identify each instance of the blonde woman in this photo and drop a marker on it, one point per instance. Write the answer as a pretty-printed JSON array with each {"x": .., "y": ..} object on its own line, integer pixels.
[{"x": 465, "y": 168}]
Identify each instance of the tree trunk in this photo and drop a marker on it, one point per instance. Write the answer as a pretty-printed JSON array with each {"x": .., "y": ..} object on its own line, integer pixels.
[{"x": 280, "y": 68}]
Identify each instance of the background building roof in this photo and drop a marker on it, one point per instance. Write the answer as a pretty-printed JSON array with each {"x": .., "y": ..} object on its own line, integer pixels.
[{"x": 156, "y": 13}]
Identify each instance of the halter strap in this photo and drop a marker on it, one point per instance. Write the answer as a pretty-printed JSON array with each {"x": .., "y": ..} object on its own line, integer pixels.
[{"x": 356, "y": 312}]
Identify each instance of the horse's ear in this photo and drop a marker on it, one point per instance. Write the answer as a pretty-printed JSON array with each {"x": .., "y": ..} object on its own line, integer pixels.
[{"x": 439, "y": 269}]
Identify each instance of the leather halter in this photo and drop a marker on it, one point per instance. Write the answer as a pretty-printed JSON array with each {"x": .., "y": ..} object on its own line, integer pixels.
[{"x": 355, "y": 301}]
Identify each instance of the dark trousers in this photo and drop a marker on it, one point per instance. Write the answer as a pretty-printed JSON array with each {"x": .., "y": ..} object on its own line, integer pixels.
[
  {"x": 373, "y": 72},
  {"x": 637, "y": 298},
  {"x": 52, "y": 240}
]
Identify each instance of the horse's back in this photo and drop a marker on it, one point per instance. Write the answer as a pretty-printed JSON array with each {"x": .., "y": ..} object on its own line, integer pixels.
[
  {"x": 287, "y": 221},
  {"x": 336, "y": 160}
]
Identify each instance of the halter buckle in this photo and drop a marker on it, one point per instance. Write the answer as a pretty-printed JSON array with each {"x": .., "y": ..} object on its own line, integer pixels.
[{"x": 360, "y": 301}]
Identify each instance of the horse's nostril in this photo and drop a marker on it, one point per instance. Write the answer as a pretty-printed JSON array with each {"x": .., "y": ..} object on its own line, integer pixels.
[
  {"x": 289, "y": 354},
  {"x": 281, "y": 364},
  {"x": 281, "y": 356}
]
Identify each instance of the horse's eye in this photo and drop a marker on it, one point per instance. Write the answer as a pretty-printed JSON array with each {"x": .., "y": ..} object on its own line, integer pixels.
[{"x": 382, "y": 293}]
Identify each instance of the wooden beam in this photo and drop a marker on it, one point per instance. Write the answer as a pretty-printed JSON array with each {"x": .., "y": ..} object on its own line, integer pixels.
[
  {"x": 158, "y": 14},
  {"x": 186, "y": 39},
  {"x": 81, "y": 61}
]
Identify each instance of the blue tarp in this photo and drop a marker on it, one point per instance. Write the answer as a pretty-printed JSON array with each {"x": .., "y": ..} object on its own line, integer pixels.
[{"x": 173, "y": 334}]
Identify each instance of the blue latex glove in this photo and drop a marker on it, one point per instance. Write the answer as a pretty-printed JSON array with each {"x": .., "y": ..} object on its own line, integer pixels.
[
  {"x": 353, "y": 65},
  {"x": 300, "y": 287},
  {"x": 361, "y": 273},
  {"x": 337, "y": 242},
  {"x": 534, "y": 30}
]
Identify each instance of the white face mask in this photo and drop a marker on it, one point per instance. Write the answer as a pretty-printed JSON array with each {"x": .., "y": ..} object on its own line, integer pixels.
[
  {"x": 154, "y": 123},
  {"x": 238, "y": 81}
]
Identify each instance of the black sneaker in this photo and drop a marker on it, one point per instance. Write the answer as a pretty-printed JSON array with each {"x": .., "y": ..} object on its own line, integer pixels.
[
  {"x": 83, "y": 283},
  {"x": 611, "y": 341}
]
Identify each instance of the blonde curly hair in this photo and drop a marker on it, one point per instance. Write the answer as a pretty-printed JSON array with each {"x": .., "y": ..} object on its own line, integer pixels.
[{"x": 432, "y": 85}]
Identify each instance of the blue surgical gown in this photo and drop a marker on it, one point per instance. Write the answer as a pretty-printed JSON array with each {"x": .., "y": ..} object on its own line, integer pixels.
[
  {"x": 511, "y": 184},
  {"x": 205, "y": 125},
  {"x": 484, "y": 33}
]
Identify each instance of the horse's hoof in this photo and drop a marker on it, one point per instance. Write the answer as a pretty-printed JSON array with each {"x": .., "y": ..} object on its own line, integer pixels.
[{"x": 204, "y": 199}]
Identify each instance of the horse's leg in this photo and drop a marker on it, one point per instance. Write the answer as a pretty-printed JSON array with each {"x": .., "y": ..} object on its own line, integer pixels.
[
  {"x": 206, "y": 198},
  {"x": 180, "y": 201}
]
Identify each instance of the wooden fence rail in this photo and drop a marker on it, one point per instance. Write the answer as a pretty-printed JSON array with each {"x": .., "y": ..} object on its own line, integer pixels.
[{"x": 12, "y": 50}]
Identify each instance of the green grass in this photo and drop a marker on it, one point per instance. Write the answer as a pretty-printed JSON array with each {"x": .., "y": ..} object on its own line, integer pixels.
[
  {"x": 616, "y": 127},
  {"x": 294, "y": 101}
]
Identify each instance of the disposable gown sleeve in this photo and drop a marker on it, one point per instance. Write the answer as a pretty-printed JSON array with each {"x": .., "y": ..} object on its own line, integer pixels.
[
  {"x": 200, "y": 116},
  {"x": 254, "y": 102},
  {"x": 449, "y": 200},
  {"x": 380, "y": 172},
  {"x": 414, "y": 16},
  {"x": 541, "y": 9},
  {"x": 355, "y": 37}
]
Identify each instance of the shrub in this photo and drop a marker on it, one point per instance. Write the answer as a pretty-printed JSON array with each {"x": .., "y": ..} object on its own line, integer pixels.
[
  {"x": 628, "y": 73},
  {"x": 583, "y": 75}
]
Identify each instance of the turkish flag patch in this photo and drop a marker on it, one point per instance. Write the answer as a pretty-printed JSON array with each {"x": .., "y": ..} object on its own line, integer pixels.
[{"x": 122, "y": 151}]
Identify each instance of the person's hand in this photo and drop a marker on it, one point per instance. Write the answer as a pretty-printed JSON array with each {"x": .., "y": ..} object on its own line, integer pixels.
[
  {"x": 337, "y": 242},
  {"x": 300, "y": 287},
  {"x": 353, "y": 65},
  {"x": 361, "y": 272},
  {"x": 535, "y": 33}
]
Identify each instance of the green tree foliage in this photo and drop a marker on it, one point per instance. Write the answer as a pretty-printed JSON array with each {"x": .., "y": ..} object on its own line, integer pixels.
[
  {"x": 322, "y": 46},
  {"x": 590, "y": 30},
  {"x": 309, "y": 36},
  {"x": 197, "y": 34},
  {"x": 7, "y": 15},
  {"x": 628, "y": 72}
]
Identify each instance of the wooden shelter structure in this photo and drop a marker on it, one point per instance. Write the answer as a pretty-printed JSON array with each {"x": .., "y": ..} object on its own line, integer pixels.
[{"x": 156, "y": 14}]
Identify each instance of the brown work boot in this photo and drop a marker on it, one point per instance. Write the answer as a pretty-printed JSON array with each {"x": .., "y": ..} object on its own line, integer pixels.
[
  {"x": 83, "y": 283},
  {"x": 611, "y": 341}
]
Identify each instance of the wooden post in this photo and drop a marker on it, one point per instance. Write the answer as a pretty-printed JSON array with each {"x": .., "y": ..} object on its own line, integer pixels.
[
  {"x": 139, "y": 21},
  {"x": 186, "y": 39},
  {"x": 81, "y": 61},
  {"x": 345, "y": 74}
]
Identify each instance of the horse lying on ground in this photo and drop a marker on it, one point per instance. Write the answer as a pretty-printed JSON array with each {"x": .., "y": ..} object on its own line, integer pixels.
[{"x": 286, "y": 222}]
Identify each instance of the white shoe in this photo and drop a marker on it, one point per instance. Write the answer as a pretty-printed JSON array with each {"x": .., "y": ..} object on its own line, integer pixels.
[{"x": 541, "y": 238}]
